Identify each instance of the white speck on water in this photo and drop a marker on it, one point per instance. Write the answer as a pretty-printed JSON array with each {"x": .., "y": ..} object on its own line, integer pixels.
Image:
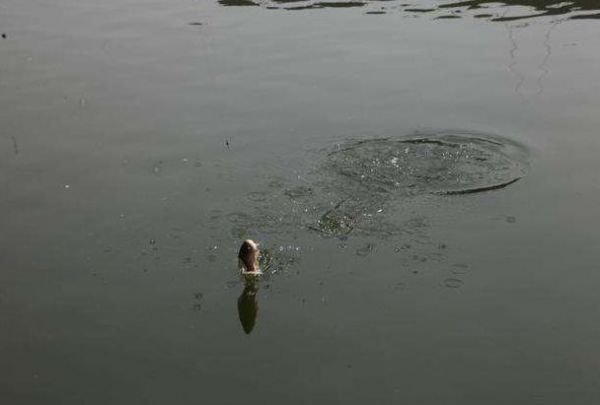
[
  {"x": 380, "y": 210},
  {"x": 67, "y": 186}
]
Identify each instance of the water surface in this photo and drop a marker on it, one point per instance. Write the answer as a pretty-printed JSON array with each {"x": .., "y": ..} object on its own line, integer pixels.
[{"x": 141, "y": 141}]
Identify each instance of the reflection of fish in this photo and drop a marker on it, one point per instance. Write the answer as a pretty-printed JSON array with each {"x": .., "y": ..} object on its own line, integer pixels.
[
  {"x": 248, "y": 257},
  {"x": 247, "y": 305}
]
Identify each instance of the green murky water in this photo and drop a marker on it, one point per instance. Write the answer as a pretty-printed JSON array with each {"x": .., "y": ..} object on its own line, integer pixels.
[{"x": 422, "y": 177}]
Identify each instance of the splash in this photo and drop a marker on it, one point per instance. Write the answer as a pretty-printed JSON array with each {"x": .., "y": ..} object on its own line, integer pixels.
[{"x": 443, "y": 163}]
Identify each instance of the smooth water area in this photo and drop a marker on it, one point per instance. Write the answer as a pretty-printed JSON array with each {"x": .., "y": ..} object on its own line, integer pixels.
[{"x": 423, "y": 177}]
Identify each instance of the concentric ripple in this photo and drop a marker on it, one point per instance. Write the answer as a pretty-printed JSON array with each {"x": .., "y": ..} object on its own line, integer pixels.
[{"x": 441, "y": 163}]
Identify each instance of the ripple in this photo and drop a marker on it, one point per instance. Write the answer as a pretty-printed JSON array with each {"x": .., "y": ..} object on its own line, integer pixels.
[
  {"x": 460, "y": 269},
  {"x": 445, "y": 163},
  {"x": 355, "y": 187},
  {"x": 453, "y": 283},
  {"x": 299, "y": 192},
  {"x": 365, "y": 250},
  {"x": 257, "y": 196}
]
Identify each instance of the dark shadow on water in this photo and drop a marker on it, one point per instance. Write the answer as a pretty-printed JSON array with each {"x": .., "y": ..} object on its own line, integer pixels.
[
  {"x": 247, "y": 304},
  {"x": 483, "y": 9},
  {"x": 539, "y": 7},
  {"x": 237, "y": 3}
]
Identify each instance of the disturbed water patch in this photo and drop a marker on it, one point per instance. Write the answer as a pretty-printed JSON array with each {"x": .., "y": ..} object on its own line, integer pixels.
[
  {"x": 360, "y": 182},
  {"x": 382, "y": 188},
  {"x": 354, "y": 187},
  {"x": 442, "y": 163}
]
